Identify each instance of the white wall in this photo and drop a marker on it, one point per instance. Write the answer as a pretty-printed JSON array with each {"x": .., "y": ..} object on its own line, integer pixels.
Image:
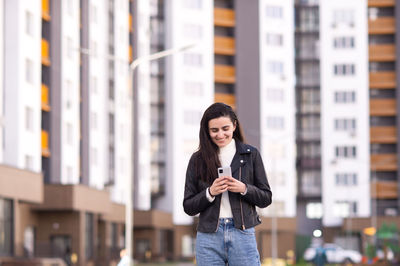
[
  {"x": 359, "y": 110},
  {"x": 143, "y": 159},
  {"x": 122, "y": 103},
  {"x": 1, "y": 78},
  {"x": 70, "y": 92},
  {"x": 20, "y": 94},
  {"x": 98, "y": 91},
  {"x": 185, "y": 106},
  {"x": 277, "y": 101}
]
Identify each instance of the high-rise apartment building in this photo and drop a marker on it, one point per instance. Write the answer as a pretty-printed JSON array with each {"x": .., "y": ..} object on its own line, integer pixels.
[
  {"x": 254, "y": 72},
  {"x": 332, "y": 108},
  {"x": 67, "y": 128}
]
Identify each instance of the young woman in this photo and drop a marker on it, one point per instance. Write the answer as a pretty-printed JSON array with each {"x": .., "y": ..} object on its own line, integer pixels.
[{"x": 225, "y": 233}]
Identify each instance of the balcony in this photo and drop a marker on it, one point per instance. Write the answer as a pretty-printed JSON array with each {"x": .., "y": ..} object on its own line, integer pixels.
[
  {"x": 45, "y": 53},
  {"x": 381, "y": 3},
  {"x": 383, "y": 162},
  {"x": 382, "y": 25},
  {"x": 45, "y": 98},
  {"x": 382, "y": 53},
  {"x": 224, "y": 17},
  {"x": 384, "y": 135},
  {"x": 224, "y": 45},
  {"x": 382, "y": 80},
  {"x": 382, "y": 107},
  {"x": 225, "y": 98},
  {"x": 46, "y": 10},
  {"x": 224, "y": 74},
  {"x": 45, "y": 144},
  {"x": 384, "y": 190},
  {"x": 130, "y": 23}
]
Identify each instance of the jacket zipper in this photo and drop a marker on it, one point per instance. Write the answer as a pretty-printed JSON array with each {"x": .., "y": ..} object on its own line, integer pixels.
[{"x": 241, "y": 207}]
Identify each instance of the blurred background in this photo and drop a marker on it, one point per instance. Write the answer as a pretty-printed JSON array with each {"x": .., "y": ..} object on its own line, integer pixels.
[{"x": 90, "y": 124}]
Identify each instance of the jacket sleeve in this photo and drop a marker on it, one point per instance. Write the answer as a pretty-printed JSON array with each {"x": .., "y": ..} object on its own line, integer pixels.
[
  {"x": 259, "y": 193},
  {"x": 195, "y": 200}
]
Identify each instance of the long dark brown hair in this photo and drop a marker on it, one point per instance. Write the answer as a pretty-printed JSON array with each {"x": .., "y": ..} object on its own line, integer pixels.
[{"x": 207, "y": 160}]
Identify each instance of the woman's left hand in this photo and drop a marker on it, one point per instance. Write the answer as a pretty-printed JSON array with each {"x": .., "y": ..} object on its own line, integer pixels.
[{"x": 235, "y": 185}]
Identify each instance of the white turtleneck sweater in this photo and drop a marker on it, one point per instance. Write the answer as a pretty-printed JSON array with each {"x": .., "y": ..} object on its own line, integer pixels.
[{"x": 225, "y": 157}]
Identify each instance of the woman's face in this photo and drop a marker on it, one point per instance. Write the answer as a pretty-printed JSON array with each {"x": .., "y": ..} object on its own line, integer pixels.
[{"x": 221, "y": 130}]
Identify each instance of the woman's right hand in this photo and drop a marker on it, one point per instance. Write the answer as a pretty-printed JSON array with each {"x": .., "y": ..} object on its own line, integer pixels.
[{"x": 219, "y": 186}]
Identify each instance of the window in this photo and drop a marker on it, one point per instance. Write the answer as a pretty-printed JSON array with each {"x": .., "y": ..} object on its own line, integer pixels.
[
  {"x": 275, "y": 67},
  {"x": 69, "y": 134},
  {"x": 273, "y": 39},
  {"x": 274, "y": 122},
  {"x": 344, "y": 209},
  {"x": 275, "y": 95},
  {"x": 275, "y": 12},
  {"x": 93, "y": 156},
  {"x": 93, "y": 120},
  {"x": 29, "y": 70},
  {"x": 194, "y": 89},
  {"x": 191, "y": 59},
  {"x": 193, "y": 4},
  {"x": 345, "y": 152},
  {"x": 193, "y": 31},
  {"x": 345, "y": 124},
  {"x": 28, "y": 162},
  {"x": 343, "y": 42},
  {"x": 89, "y": 235},
  {"x": 29, "y": 119},
  {"x": 6, "y": 227},
  {"x": 343, "y": 16},
  {"x": 70, "y": 7},
  {"x": 93, "y": 85},
  {"x": 314, "y": 210},
  {"x": 93, "y": 14},
  {"x": 345, "y": 97},
  {"x": 68, "y": 94},
  {"x": 70, "y": 47},
  {"x": 346, "y": 179},
  {"x": 191, "y": 117},
  {"x": 310, "y": 183},
  {"x": 93, "y": 48},
  {"x": 344, "y": 69},
  {"x": 29, "y": 23},
  {"x": 69, "y": 176}
]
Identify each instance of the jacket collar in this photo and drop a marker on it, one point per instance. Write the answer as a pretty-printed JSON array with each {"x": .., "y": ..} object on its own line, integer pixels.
[{"x": 238, "y": 159}]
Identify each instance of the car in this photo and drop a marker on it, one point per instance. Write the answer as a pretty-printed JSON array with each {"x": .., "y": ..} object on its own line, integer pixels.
[{"x": 334, "y": 254}]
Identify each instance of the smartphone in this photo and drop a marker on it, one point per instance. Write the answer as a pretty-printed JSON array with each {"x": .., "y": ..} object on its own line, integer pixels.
[{"x": 224, "y": 171}]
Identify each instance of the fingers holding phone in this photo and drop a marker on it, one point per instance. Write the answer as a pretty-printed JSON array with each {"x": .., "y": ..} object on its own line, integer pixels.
[{"x": 219, "y": 186}]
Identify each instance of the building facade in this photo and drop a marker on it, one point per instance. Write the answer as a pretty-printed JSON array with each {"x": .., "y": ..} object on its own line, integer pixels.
[{"x": 67, "y": 129}]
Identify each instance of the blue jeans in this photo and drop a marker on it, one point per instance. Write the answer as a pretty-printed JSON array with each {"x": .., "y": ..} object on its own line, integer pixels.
[{"x": 227, "y": 246}]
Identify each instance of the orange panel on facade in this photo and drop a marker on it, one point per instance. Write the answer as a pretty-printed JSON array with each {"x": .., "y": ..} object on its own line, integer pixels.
[
  {"x": 381, "y": 3},
  {"x": 45, "y": 98},
  {"x": 224, "y": 17},
  {"x": 226, "y": 98},
  {"x": 382, "y": 52},
  {"x": 384, "y": 190},
  {"x": 382, "y": 107},
  {"x": 382, "y": 25},
  {"x": 45, "y": 144},
  {"x": 224, "y": 74},
  {"x": 383, "y": 135},
  {"x": 46, "y": 9},
  {"x": 45, "y": 53},
  {"x": 382, "y": 80},
  {"x": 224, "y": 45},
  {"x": 383, "y": 162}
]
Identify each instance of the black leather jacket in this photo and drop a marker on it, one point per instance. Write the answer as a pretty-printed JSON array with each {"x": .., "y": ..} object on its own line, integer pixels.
[{"x": 247, "y": 166}]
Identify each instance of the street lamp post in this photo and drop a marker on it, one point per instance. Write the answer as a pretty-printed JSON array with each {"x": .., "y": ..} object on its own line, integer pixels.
[{"x": 129, "y": 214}]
